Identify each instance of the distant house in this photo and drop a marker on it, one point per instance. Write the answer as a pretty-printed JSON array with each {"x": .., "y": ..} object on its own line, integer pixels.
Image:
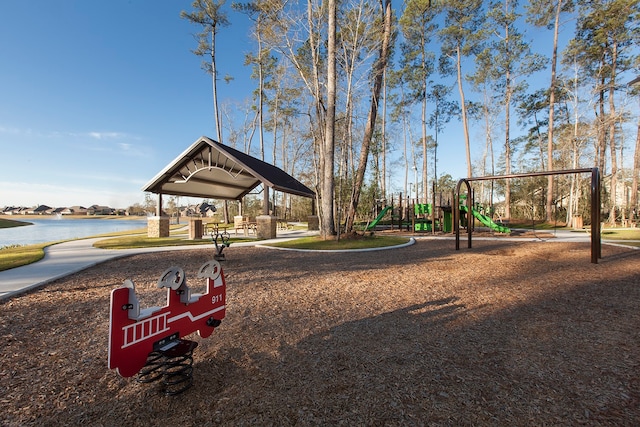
[
  {"x": 99, "y": 210},
  {"x": 200, "y": 210},
  {"x": 37, "y": 210},
  {"x": 207, "y": 209},
  {"x": 75, "y": 210},
  {"x": 41, "y": 210},
  {"x": 135, "y": 210},
  {"x": 10, "y": 210}
]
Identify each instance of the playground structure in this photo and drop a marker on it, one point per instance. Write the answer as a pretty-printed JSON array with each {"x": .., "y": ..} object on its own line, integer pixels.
[
  {"x": 431, "y": 217},
  {"x": 485, "y": 220},
  {"x": 149, "y": 342},
  {"x": 448, "y": 217}
]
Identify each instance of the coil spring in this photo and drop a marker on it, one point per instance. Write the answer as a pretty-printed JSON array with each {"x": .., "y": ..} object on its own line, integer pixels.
[
  {"x": 173, "y": 366},
  {"x": 178, "y": 373},
  {"x": 153, "y": 370}
]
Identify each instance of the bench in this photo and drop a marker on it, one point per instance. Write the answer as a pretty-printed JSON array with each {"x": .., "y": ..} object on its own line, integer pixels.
[{"x": 245, "y": 226}]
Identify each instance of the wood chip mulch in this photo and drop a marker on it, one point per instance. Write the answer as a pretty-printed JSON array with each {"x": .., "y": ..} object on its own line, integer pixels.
[{"x": 507, "y": 333}]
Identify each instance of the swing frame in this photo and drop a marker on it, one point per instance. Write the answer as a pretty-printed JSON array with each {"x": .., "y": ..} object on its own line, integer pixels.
[{"x": 596, "y": 242}]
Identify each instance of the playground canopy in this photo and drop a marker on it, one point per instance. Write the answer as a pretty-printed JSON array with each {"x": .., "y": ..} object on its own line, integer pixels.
[{"x": 210, "y": 169}]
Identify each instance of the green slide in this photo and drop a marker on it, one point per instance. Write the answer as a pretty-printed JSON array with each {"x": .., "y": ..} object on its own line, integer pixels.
[
  {"x": 487, "y": 221},
  {"x": 379, "y": 217}
]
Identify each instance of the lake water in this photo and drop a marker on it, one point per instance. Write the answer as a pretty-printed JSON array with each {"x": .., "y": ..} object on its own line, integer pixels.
[{"x": 52, "y": 229}]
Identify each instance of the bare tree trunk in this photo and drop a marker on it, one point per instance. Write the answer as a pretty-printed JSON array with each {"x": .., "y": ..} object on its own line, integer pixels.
[
  {"x": 405, "y": 127},
  {"x": 507, "y": 150},
  {"x": 328, "y": 150},
  {"x": 636, "y": 173},
  {"x": 612, "y": 135},
  {"x": 383, "y": 143},
  {"x": 424, "y": 153},
  {"x": 323, "y": 183},
  {"x": 552, "y": 98},
  {"x": 379, "y": 68},
  {"x": 463, "y": 105},
  {"x": 573, "y": 194},
  {"x": 424, "y": 140},
  {"x": 275, "y": 113},
  {"x": 507, "y": 142},
  {"x": 260, "y": 100},
  {"x": 488, "y": 151},
  {"x": 602, "y": 145},
  {"x": 216, "y": 113}
]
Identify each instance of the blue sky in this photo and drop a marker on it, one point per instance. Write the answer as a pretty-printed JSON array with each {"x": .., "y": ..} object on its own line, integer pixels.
[
  {"x": 96, "y": 97},
  {"x": 99, "y": 96}
]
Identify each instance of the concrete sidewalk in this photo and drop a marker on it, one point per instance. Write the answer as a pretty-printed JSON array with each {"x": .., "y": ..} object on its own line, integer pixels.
[{"x": 63, "y": 259}]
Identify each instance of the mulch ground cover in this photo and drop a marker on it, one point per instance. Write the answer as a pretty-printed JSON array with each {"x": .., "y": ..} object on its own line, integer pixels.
[{"x": 507, "y": 333}]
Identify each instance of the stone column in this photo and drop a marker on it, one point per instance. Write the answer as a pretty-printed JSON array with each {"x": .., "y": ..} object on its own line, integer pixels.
[
  {"x": 266, "y": 227},
  {"x": 195, "y": 229},
  {"x": 158, "y": 226},
  {"x": 313, "y": 223}
]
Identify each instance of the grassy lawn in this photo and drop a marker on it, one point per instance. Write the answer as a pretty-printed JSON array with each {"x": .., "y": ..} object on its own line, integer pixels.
[
  {"x": 17, "y": 256},
  {"x": 129, "y": 242},
  {"x": 317, "y": 243},
  {"x": 539, "y": 225},
  {"x": 618, "y": 235},
  {"x": 8, "y": 223},
  {"x": 623, "y": 234}
]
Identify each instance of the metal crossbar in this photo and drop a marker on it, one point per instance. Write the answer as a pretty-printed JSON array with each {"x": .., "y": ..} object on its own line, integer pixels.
[{"x": 596, "y": 243}]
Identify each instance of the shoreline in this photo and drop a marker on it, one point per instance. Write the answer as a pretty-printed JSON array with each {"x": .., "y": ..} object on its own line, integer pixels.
[{"x": 54, "y": 217}]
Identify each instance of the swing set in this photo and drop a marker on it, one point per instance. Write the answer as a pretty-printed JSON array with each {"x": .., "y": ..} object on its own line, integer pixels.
[{"x": 596, "y": 250}]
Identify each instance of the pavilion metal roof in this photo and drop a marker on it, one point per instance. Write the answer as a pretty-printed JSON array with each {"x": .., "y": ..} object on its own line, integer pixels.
[{"x": 212, "y": 170}]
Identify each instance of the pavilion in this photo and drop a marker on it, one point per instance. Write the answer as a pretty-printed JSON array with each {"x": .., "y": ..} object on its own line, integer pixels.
[{"x": 212, "y": 170}]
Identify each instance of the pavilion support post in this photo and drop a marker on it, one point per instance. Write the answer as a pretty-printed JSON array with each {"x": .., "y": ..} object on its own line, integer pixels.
[
  {"x": 266, "y": 223},
  {"x": 265, "y": 200},
  {"x": 158, "y": 226},
  {"x": 239, "y": 218},
  {"x": 196, "y": 230},
  {"x": 159, "y": 205},
  {"x": 313, "y": 222},
  {"x": 266, "y": 227}
]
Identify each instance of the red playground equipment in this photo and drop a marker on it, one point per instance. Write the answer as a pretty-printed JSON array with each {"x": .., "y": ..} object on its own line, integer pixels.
[{"x": 144, "y": 338}]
